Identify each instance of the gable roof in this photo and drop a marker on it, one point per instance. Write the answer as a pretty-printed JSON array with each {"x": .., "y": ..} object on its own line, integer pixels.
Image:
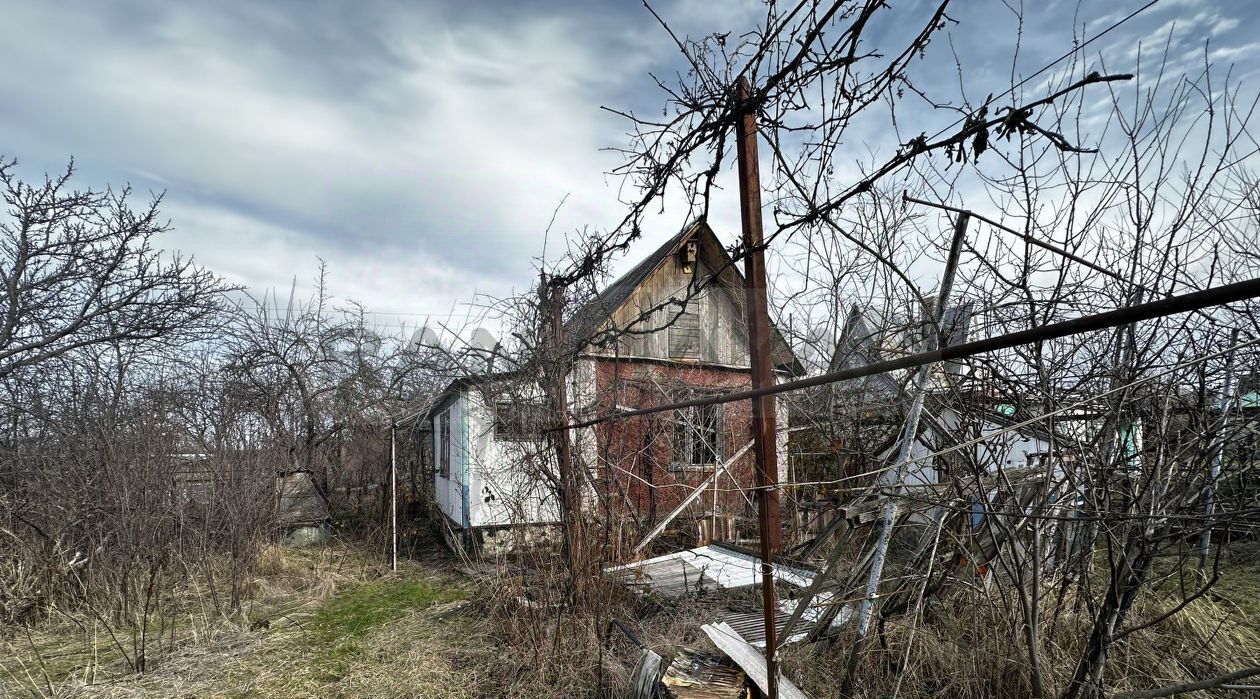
[
  {"x": 857, "y": 348},
  {"x": 457, "y": 385},
  {"x": 587, "y": 320}
]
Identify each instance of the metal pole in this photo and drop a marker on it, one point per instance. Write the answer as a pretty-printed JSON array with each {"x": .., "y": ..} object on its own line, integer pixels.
[
  {"x": 911, "y": 433},
  {"x": 393, "y": 498},
  {"x": 765, "y": 444},
  {"x": 1218, "y": 453}
]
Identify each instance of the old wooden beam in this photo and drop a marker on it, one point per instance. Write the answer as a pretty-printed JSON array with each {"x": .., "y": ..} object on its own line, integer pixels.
[
  {"x": 756, "y": 308},
  {"x": 736, "y": 648}
]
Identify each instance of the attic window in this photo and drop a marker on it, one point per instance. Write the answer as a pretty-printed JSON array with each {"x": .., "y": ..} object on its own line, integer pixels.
[{"x": 684, "y": 332}]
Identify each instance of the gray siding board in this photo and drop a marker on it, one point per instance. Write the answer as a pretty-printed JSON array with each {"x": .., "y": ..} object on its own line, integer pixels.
[{"x": 709, "y": 330}]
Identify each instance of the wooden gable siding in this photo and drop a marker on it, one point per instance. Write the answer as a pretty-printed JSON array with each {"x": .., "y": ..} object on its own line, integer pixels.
[{"x": 709, "y": 329}]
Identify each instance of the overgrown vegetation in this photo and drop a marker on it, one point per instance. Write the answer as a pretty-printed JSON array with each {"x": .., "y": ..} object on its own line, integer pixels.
[
  {"x": 315, "y": 619},
  {"x": 148, "y": 409}
]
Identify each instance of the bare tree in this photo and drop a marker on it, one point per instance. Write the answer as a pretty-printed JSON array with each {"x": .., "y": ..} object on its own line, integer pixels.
[{"x": 78, "y": 268}]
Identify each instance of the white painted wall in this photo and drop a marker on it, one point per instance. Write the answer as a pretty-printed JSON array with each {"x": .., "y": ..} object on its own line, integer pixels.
[
  {"x": 449, "y": 491},
  {"x": 1009, "y": 450},
  {"x": 505, "y": 486},
  {"x": 488, "y": 485},
  {"x": 501, "y": 487}
]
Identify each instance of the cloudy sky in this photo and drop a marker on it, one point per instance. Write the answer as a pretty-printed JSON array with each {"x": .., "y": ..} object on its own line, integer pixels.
[{"x": 421, "y": 148}]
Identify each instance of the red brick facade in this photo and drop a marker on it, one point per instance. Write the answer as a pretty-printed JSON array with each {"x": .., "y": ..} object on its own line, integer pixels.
[{"x": 637, "y": 456}]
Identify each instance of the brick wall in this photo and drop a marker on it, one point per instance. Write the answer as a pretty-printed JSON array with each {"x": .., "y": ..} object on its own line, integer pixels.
[{"x": 635, "y": 454}]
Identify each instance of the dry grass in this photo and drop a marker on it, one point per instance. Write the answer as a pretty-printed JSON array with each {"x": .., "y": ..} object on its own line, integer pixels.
[
  {"x": 327, "y": 622},
  {"x": 319, "y": 622},
  {"x": 969, "y": 646}
]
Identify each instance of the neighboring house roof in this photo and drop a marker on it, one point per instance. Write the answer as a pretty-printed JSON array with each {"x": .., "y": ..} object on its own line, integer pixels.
[
  {"x": 588, "y": 320},
  {"x": 860, "y": 344},
  {"x": 857, "y": 348}
]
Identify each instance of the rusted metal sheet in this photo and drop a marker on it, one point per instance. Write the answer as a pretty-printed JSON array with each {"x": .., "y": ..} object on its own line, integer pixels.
[{"x": 697, "y": 675}]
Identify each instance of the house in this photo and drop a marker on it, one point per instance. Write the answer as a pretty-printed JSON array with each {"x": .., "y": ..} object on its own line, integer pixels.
[
  {"x": 959, "y": 407},
  {"x": 487, "y": 457},
  {"x": 671, "y": 328}
]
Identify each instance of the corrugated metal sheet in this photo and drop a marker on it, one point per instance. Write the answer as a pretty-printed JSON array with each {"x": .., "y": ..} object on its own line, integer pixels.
[
  {"x": 750, "y": 625},
  {"x": 671, "y": 577},
  {"x": 723, "y": 567},
  {"x": 718, "y": 567}
]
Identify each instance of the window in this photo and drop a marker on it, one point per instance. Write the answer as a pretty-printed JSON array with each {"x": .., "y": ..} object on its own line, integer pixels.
[
  {"x": 444, "y": 444},
  {"x": 696, "y": 436},
  {"x": 519, "y": 422},
  {"x": 684, "y": 333}
]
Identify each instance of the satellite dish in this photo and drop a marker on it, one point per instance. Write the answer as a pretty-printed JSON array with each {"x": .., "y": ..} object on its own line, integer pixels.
[
  {"x": 482, "y": 340},
  {"x": 423, "y": 337}
]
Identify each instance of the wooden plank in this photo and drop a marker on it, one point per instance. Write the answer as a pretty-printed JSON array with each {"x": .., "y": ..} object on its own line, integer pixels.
[
  {"x": 696, "y": 675},
  {"x": 750, "y": 659}
]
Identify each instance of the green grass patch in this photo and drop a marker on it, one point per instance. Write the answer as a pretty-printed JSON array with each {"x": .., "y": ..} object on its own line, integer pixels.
[
  {"x": 1240, "y": 579},
  {"x": 337, "y": 627},
  {"x": 1238, "y": 586},
  {"x": 364, "y": 607}
]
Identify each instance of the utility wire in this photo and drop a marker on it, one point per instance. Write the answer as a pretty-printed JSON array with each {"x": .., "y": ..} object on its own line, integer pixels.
[{"x": 998, "y": 433}]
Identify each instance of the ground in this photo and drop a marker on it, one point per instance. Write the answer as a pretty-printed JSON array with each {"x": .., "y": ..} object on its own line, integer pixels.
[
  {"x": 323, "y": 623},
  {"x": 330, "y": 621}
]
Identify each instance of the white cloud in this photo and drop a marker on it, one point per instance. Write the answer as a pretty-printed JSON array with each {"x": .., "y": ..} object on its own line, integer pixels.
[
  {"x": 452, "y": 152},
  {"x": 420, "y": 150}
]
